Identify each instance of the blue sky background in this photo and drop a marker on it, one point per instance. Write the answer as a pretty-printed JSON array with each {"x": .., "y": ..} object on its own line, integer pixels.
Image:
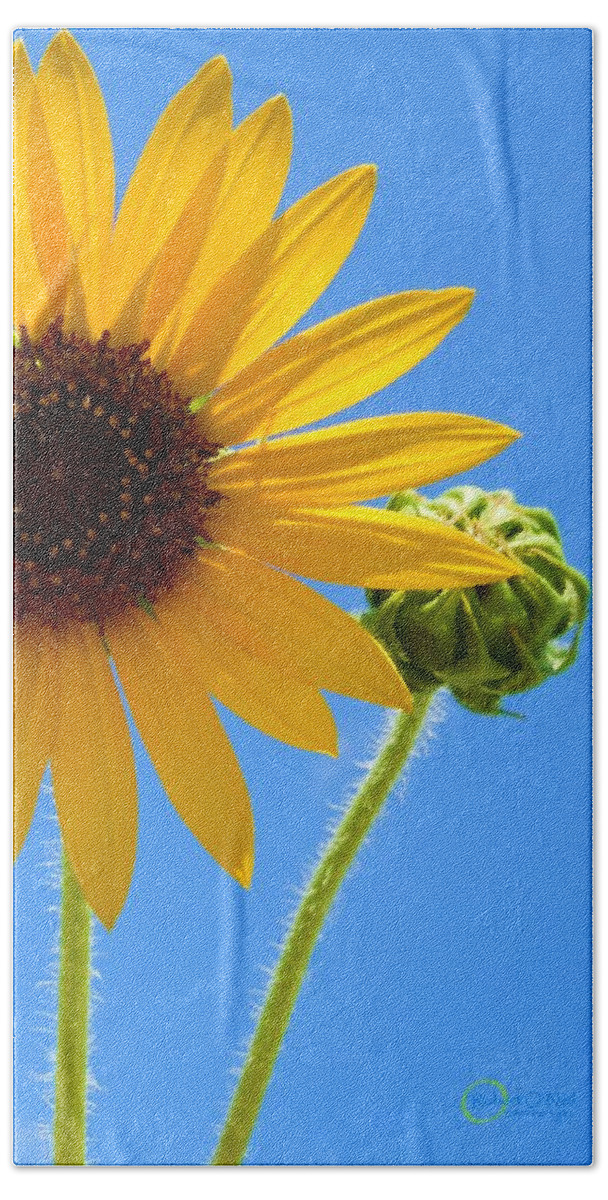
[{"x": 459, "y": 947}]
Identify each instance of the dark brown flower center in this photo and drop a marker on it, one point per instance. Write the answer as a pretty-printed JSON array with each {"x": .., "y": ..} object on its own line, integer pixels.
[{"x": 110, "y": 493}]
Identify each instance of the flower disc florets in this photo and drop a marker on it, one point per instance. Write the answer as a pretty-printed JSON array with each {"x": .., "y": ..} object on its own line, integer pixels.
[
  {"x": 110, "y": 494},
  {"x": 494, "y": 640}
]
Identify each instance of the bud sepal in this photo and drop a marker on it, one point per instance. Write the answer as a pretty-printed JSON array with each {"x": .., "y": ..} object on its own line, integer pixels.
[{"x": 493, "y": 640}]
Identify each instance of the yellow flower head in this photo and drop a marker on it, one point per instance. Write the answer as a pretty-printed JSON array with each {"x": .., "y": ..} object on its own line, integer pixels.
[{"x": 148, "y": 346}]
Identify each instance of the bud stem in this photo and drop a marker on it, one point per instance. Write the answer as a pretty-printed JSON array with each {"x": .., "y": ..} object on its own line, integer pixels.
[
  {"x": 72, "y": 1024},
  {"x": 306, "y": 927}
]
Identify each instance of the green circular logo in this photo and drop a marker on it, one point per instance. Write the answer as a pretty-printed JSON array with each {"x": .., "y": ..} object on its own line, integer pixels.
[{"x": 464, "y": 1102}]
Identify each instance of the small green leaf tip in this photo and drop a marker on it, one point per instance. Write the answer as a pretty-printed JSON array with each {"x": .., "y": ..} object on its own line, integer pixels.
[
  {"x": 147, "y": 607},
  {"x": 494, "y": 640},
  {"x": 198, "y": 402}
]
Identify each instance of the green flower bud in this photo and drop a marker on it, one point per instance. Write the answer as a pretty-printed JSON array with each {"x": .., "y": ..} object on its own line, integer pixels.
[{"x": 494, "y": 640}]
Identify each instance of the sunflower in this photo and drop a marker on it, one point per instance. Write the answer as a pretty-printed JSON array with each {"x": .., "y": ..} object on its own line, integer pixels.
[{"x": 162, "y": 514}]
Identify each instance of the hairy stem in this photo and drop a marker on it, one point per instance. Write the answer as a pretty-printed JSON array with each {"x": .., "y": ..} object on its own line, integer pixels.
[
  {"x": 306, "y": 927},
  {"x": 69, "y": 1128}
]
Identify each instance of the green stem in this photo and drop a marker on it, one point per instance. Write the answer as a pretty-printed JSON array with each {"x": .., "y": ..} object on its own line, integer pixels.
[
  {"x": 306, "y": 927},
  {"x": 72, "y": 1024}
]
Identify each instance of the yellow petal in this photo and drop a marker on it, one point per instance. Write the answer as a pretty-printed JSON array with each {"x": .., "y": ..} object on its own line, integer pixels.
[
  {"x": 228, "y": 211},
  {"x": 187, "y": 137},
  {"x": 216, "y": 328},
  {"x": 50, "y": 231},
  {"x": 30, "y": 292},
  {"x": 334, "y": 365},
  {"x": 35, "y": 717},
  {"x": 185, "y": 740},
  {"x": 323, "y": 643},
  {"x": 39, "y": 200},
  {"x": 179, "y": 254},
  {"x": 258, "y": 163},
  {"x": 315, "y": 237},
  {"x": 94, "y": 774},
  {"x": 77, "y": 123},
  {"x": 309, "y": 244},
  {"x": 246, "y": 673},
  {"x": 364, "y": 547},
  {"x": 151, "y": 305},
  {"x": 360, "y": 460}
]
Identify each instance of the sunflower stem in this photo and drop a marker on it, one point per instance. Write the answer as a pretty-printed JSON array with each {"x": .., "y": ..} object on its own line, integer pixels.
[
  {"x": 306, "y": 927},
  {"x": 69, "y": 1129}
]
